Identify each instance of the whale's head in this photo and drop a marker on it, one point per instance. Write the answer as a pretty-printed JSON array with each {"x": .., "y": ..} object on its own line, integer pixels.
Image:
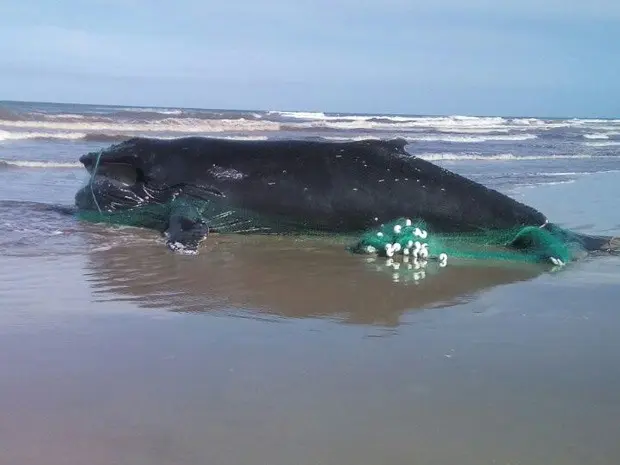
[{"x": 125, "y": 176}]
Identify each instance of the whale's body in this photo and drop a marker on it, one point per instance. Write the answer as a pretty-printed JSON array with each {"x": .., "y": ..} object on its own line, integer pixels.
[{"x": 285, "y": 186}]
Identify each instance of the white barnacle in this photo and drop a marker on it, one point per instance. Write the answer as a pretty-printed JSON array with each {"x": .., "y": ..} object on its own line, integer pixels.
[
  {"x": 398, "y": 228},
  {"x": 408, "y": 222},
  {"x": 379, "y": 234},
  {"x": 423, "y": 252},
  {"x": 396, "y": 247},
  {"x": 416, "y": 249},
  {"x": 370, "y": 249},
  {"x": 226, "y": 173}
]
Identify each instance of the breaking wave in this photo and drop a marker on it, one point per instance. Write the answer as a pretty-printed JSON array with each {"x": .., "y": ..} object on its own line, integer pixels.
[
  {"x": 473, "y": 139},
  {"x": 37, "y": 164},
  {"x": 101, "y": 137},
  {"x": 611, "y": 143},
  {"x": 84, "y": 123},
  {"x": 597, "y": 135},
  {"x": 494, "y": 157},
  {"x": 184, "y": 125}
]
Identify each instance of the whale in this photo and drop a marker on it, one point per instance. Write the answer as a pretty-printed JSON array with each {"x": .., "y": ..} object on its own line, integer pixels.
[{"x": 189, "y": 187}]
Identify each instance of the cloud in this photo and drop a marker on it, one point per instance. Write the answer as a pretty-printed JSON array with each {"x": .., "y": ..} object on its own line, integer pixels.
[{"x": 313, "y": 53}]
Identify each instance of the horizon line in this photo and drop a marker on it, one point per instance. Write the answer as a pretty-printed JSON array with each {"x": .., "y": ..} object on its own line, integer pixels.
[{"x": 433, "y": 115}]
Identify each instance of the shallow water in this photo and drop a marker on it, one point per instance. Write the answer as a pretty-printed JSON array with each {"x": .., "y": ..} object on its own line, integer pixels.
[{"x": 283, "y": 351}]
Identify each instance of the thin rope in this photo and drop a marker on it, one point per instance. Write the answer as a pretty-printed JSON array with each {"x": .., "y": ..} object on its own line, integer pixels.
[{"x": 92, "y": 176}]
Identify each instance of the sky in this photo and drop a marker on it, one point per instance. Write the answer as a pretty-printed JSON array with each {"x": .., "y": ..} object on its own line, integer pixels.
[{"x": 476, "y": 57}]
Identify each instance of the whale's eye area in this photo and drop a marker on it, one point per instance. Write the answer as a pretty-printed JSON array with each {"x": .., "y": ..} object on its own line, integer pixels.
[{"x": 121, "y": 173}]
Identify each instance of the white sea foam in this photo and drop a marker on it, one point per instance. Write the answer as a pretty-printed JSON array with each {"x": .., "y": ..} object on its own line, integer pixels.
[
  {"x": 38, "y": 164},
  {"x": 162, "y": 111},
  {"x": 527, "y": 185},
  {"x": 11, "y": 136},
  {"x": 183, "y": 125},
  {"x": 597, "y": 135},
  {"x": 307, "y": 115},
  {"x": 457, "y": 128},
  {"x": 610, "y": 143},
  {"x": 242, "y": 137},
  {"x": 64, "y": 116},
  {"x": 478, "y": 130},
  {"x": 494, "y": 157},
  {"x": 594, "y": 120},
  {"x": 177, "y": 136},
  {"x": 8, "y": 135},
  {"x": 350, "y": 138},
  {"x": 473, "y": 139}
]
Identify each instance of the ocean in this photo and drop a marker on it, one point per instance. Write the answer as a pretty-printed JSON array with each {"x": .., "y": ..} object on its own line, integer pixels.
[{"x": 284, "y": 351}]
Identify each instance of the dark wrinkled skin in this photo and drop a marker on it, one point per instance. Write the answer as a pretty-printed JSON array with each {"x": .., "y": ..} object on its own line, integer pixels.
[{"x": 293, "y": 186}]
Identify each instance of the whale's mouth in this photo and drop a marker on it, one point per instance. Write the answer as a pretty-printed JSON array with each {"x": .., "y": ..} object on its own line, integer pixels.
[
  {"x": 112, "y": 185},
  {"x": 122, "y": 174}
]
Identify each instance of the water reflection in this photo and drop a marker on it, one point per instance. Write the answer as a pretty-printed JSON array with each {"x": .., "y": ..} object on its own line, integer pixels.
[{"x": 284, "y": 277}]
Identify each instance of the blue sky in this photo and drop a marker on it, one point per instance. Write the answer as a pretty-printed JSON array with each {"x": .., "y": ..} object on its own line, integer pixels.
[{"x": 479, "y": 57}]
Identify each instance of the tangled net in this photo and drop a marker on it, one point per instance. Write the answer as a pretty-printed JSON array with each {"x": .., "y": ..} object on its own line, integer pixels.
[{"x": 413, "y": 239}]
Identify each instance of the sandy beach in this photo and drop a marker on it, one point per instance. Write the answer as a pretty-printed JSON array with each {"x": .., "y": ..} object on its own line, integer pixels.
[
  {"x": 281, "y": 351},
  {"x": 276, "y": 351}
]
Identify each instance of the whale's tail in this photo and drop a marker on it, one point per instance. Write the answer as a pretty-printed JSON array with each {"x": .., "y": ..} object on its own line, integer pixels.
[
  {"x": 588, "y": 242},
  {"x": 606, "y": 244}
]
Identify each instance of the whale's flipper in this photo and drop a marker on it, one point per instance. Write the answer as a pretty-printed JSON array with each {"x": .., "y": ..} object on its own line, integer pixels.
[{"x": 186, "y": 229}]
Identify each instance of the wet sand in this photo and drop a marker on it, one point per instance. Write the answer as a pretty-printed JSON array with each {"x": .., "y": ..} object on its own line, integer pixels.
[{"x": 279, "y": 352}]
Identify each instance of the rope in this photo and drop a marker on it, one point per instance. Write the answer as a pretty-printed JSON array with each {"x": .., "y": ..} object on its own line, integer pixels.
[{"x": 92, "y": 176}]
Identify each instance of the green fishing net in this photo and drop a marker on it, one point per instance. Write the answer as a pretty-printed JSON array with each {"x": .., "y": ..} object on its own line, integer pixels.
[
  {"x": 401, "y": 237},
  {"x": 413, "y": 239}
]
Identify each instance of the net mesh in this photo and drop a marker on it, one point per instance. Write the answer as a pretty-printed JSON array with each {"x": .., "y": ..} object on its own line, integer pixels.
[
  {"x": 401, "y": 237},
  {"x": 413, "y": 238}
]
